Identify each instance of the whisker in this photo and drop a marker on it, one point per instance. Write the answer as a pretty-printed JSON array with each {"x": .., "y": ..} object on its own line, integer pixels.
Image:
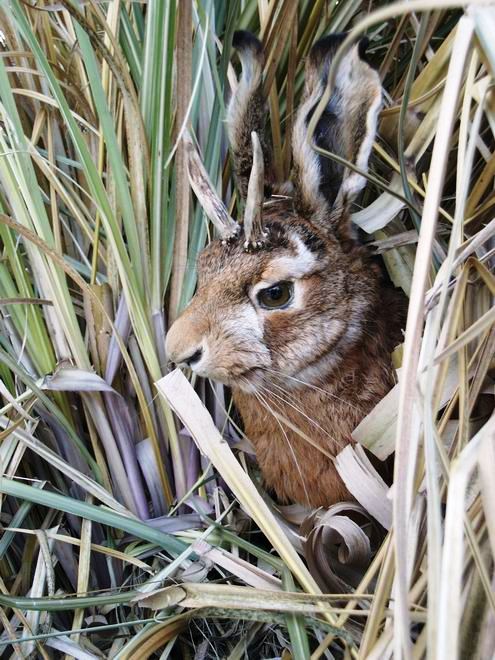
[
  {"x": 228, "y": 416},
  {"x": 293, "y": 427},
  {"x": 291, "y": 449},
  {"x": 314, "y": 387},
  {"x": 339, "y": 444}
]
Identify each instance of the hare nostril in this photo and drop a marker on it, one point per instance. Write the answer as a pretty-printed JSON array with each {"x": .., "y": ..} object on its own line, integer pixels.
[{"x": 195, "y": 357}]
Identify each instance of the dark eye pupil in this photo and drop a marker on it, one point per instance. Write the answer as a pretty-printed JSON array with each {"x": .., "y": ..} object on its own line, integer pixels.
[{"x": 278, "y": 295}]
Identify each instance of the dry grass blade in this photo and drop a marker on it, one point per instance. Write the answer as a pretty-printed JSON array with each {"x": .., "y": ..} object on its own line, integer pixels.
[
  {"x": 182, "y": 398},
  {"x": 184, "y": 74},
  {"x": 407, "y": 427},
  {"x": 450, "y": 601},
  {"x": 231, "y": 597}
]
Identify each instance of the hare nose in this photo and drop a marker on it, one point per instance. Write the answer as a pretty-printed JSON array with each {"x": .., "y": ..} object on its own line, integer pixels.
[
  {"x": 185, "y": 340},
  {"x": 194, "y": 357}
]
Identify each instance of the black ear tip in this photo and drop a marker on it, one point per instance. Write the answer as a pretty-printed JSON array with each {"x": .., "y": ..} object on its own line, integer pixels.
[
  {"x": 242, "y": 40},
  {"x": 363, "y": 47},
  {"x": 326, "y": 46}
]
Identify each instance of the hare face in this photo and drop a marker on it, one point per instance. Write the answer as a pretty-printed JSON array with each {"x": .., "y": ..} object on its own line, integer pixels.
[
  {"x": 287, "y": 294},
  {"x": 286, "y": 313}
]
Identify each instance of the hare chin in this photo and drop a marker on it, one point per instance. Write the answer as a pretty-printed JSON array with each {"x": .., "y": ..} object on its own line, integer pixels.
[{"x": 248, "y": 381}]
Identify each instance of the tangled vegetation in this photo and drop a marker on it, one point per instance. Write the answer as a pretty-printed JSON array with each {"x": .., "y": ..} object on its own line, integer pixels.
[{"x": 128, "y": 527}]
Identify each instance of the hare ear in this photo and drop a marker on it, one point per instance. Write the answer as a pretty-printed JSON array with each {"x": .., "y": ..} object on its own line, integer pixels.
[
  {"x": 347, "y": 128},
  {"x": 246, "y": 113}
]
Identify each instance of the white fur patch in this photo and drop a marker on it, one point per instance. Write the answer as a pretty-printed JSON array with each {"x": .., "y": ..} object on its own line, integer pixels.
[
  {"x": 316, "y": 372},
  {"x": 288, "y": 267},
  {"x": 245, "y": 323}
]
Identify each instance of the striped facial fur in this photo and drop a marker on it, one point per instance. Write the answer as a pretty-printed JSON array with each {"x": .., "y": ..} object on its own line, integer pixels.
[{"x": 286, "y": 313}]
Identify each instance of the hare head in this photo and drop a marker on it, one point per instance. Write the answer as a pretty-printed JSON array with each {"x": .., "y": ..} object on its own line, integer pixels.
[{"x": 287, "y": 292}]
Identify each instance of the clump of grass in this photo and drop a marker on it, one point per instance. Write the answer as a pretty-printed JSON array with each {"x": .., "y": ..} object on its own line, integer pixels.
[{"x": 125, "y": 534}]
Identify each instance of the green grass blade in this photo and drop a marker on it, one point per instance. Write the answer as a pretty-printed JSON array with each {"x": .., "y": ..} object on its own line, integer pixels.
[{"x": 95, "y": 513}]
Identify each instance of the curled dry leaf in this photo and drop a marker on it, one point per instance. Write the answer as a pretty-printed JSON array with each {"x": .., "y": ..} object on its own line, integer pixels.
[
  {"x": 364, "y": 482},
  {"x": 340, "y": 543},
  {"x": 294, "y": 513}
]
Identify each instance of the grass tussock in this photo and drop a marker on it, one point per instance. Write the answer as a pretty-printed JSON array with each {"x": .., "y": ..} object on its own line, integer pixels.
[{"x": 128, "y": 527}]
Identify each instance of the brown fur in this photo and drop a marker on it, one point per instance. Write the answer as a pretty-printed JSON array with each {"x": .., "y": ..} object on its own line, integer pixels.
[
  {"x": 303, "y": 375},
  {"x": 296, "y": 470}
]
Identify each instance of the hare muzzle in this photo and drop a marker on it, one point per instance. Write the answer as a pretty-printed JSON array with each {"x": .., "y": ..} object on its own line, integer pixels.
[
  {"x": 219, "y": 341},
  {"x": 185, "y": 344}
]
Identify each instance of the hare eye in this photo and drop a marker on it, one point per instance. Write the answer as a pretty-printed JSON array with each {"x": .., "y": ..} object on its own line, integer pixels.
[{"x": 276, "y": 296}]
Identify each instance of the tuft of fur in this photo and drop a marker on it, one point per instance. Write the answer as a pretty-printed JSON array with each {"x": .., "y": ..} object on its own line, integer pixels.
[{"x": 305, "y": 374}]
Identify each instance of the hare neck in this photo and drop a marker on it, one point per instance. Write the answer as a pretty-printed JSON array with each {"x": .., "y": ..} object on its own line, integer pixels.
[
  {"x": 296, "y": 432},
  {"x": 334, "y": 403}
]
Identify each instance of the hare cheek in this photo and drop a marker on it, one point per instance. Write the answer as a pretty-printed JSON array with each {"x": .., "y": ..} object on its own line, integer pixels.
[
  {"x": 241, "y": 338},
  {"x": 300, "y": 295}
]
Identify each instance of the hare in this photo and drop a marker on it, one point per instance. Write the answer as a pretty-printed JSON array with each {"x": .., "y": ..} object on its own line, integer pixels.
[{"x": 291, "y": 311}]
